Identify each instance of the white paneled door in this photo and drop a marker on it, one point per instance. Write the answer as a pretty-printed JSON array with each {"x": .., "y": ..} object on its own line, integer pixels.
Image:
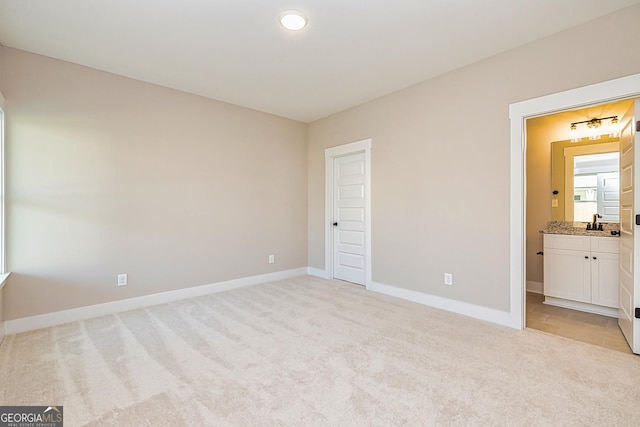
[
  {"x": 349, "y": 209},
  {"x": 629, "y": 290}
]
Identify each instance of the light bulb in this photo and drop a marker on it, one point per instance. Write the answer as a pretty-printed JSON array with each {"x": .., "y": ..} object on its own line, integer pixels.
[
  {"x": 614, "y": 128},
  {"x": 573, "y": 133},
  {"x": 293, "y": 20},
  {"x": 593, "y": 125}
]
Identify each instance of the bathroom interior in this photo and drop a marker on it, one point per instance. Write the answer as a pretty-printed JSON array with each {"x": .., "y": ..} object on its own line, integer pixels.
[{"x": 573, "y": 179}]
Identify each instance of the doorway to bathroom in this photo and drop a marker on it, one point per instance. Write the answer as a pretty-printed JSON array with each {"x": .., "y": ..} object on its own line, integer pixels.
[
  {"x": 570, "y": 178},
  {"x": 520, "y": 113}
]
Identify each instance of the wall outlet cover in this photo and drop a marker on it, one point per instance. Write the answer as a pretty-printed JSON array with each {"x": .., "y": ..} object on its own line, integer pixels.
[{"x": 122, "y": 279}]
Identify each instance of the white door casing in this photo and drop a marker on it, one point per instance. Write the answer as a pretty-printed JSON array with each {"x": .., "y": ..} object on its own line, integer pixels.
[
  {"x": 348, "y": 203},
  {"x": 628, "y": 292},
  {"x": 600, "y": 93}
]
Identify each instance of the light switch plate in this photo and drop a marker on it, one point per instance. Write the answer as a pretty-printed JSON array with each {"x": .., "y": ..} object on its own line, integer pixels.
[{"x": 448, "y": 279}]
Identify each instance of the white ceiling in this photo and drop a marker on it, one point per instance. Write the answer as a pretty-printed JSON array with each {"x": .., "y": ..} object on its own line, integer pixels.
[{"x": 235, "y": 51}]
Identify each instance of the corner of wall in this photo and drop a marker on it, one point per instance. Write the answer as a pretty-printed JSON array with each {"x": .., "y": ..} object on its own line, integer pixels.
[{"x": 535, "y": 287}]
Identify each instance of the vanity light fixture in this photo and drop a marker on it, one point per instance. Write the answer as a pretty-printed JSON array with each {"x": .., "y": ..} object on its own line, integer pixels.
[
  {"x": 593, "y": 128},
  {"x": 293, "y": 20}
]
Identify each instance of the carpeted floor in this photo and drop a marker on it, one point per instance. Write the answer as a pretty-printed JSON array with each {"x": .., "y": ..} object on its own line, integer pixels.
[{"x": 308, "y": 351}]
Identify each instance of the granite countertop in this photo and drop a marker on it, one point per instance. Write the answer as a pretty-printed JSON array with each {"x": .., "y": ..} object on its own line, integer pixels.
[{"x": 580, "y": 229}]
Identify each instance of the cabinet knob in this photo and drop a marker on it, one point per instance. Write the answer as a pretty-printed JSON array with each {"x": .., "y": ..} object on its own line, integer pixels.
[
  {"x": 586, "y": 257},
  {"x": 595, "y": 258}
]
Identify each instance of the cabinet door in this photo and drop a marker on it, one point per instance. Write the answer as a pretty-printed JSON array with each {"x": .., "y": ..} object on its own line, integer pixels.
[
  {"x": 567, "y": 274},
  {"x": 604, "y": 279}
]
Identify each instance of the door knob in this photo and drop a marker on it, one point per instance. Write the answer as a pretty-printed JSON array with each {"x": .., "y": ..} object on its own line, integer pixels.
[{"x": 335, "y": 224}]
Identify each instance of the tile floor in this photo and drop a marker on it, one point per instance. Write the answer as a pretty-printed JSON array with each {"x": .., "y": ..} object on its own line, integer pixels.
[{"x": 577, "y": 325}]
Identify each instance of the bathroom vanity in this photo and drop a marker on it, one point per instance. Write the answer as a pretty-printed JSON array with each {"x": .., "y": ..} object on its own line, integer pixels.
[{"x": 581, "y": 271}]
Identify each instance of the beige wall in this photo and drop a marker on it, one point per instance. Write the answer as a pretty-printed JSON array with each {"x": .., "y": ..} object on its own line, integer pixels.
[
  {"x": 109, "y": 175},
  {"x": 540, "y": 134},
  {"x": 440, "y": 160}
]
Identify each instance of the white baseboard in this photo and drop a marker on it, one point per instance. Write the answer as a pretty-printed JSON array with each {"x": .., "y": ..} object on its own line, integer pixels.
[
  {"x": 82, "y": 313},
  {"x": 581, "y": 306},
  {"x": 535, "y": 287},
  {"x": 312, "y": 271},
  {"x": 471, "y": 310}
]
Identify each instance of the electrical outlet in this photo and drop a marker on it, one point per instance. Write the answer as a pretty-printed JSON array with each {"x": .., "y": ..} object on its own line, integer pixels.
[
  {"x": 448, "y": 279},
  {"x": 122, "y": 279},
  {"x": 272, "y": 259}
]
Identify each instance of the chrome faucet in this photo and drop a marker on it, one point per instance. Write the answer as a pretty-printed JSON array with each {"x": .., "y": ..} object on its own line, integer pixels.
[{"x": 595, "y": 220}]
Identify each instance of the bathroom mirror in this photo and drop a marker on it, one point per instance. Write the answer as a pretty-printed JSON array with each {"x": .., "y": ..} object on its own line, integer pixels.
[{"x": 585, "y": 180}]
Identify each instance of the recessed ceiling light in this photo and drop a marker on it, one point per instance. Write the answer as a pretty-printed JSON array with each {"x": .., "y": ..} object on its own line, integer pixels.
[{"x": 293, "y": 20}]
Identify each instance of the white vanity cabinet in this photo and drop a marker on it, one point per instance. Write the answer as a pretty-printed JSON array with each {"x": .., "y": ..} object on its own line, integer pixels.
[{"x": 581, "y": 272}]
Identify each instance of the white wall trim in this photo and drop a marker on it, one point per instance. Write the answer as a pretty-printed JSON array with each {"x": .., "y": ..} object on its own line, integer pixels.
[
  {"x": 3, "y": 280},
  {"x": 454, "y": 306},
  {"x": 329, "y": 155},
  {"x": 600, "y": 93},
  {"x": 535, "y": 287},
  {"x": 324, "y": 274},
  {"x": 82, "y": 313},
  {"x": 577, "y": 305}
]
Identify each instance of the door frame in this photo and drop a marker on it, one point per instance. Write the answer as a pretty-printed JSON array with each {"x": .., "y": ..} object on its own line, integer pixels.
[
  {"x": 599, "y": 93},
  {"x": 330, "y": 154}
]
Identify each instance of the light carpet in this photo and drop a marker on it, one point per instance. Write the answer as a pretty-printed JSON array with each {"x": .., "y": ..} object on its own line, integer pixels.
[{"x": 307, "y": 351}]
